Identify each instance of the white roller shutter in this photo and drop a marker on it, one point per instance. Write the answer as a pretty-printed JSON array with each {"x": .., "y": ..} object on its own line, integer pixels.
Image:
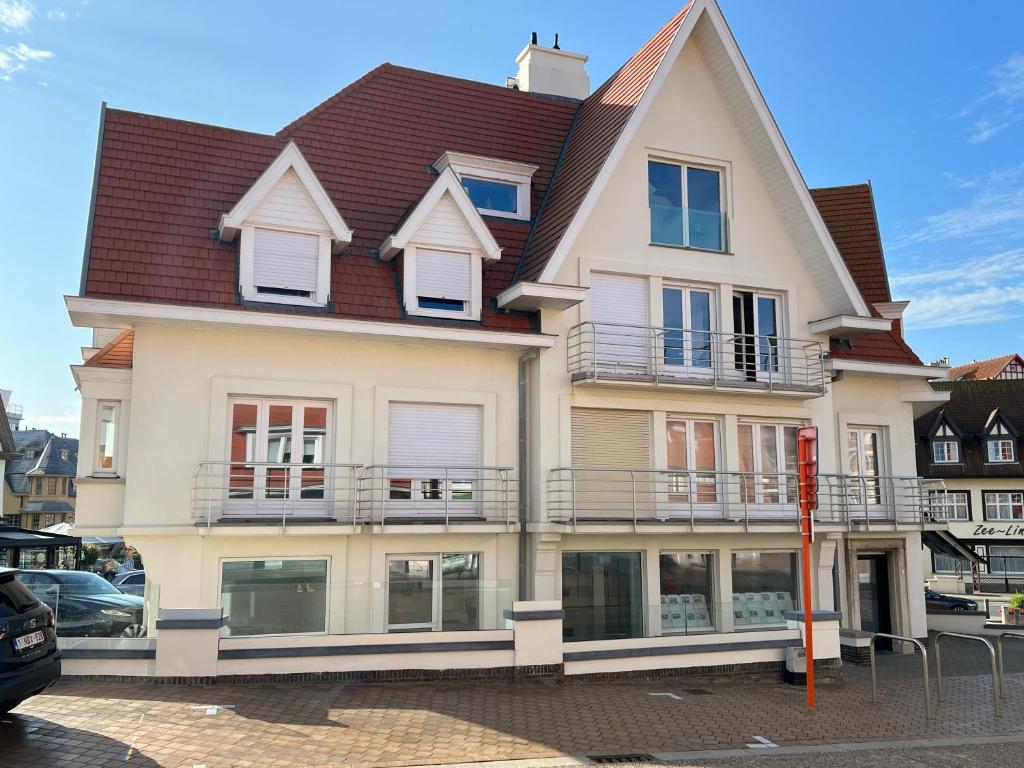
[
  {"x": 285, "y": 260},
  {"x": 443, "y": 275},
  {"x": 618, "y": 308},
  {"x": 434, "y": 435},
  {"x": 604, "y": 437}
]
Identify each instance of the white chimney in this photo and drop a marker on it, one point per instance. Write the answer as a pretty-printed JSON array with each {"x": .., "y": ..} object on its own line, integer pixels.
[{"x": 552, "y": 71}]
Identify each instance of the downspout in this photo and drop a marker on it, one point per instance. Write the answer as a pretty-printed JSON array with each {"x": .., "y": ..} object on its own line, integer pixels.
[{"x": 524, "y": 477}]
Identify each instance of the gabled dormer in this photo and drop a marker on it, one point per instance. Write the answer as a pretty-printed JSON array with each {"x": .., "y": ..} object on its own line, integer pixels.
[
  {"x": 1000, "y": 439},
  {"x": 945, "y": 438},
  {"x": 444, "y": 243},
  {"x": 288, "y": 229}
]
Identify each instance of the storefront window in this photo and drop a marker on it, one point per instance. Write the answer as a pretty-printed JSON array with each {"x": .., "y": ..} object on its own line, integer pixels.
[
  {"x": 274, "y": 597},
  {"x": 764, "y": 586},
  {"x": 602, "y": 595},
  {"x": 434, "y": 592},
  {"x": 686, "y": 599}
]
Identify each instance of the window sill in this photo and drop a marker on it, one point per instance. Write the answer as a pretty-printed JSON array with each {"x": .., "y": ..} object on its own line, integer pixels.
[{"x": 692, "y": 248}]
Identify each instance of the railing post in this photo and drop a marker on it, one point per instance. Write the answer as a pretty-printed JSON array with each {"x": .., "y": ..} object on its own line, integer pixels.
[
  {"x": 572, "y": 478},
  {"x": 689, "y": 497},
  {"x": 447, "y": 494},
  {"x": 632, "y": 481}
]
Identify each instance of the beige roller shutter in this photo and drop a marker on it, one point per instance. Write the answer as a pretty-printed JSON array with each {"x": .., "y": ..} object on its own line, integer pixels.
[{"x": 612, "y": 439}]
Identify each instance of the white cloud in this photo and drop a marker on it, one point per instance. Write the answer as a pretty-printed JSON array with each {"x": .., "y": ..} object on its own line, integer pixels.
[
  {"x": 56, "y": 14},
  {"x": 15, "y": 14},
  {"x": 13, "y": 59},
  {"x": 984, "y": 130},
  {"x": 999, "y": 104}
]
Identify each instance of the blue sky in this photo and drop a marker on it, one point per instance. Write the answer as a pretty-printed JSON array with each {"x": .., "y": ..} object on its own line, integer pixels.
[{"x": 922, "y": 98}]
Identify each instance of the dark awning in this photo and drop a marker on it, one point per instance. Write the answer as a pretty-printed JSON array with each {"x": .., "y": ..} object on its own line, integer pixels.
[{"x": 945, "y": 543}]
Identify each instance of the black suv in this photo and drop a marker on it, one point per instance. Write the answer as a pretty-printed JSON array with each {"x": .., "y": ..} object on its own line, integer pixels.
[{"x": 29, "y": 659}]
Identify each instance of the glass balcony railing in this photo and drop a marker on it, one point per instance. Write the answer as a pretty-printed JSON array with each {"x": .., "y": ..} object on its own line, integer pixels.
[{"x": 689, "y": 228}]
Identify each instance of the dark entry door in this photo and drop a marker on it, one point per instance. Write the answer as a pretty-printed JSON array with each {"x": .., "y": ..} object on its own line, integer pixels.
[{"x": 873, "y": 583}]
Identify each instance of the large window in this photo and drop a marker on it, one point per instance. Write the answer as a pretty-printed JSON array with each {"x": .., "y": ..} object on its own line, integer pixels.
[
  {"x": 602, "y": 595},
  {"x": 692, "y": 454},
  {"x": 274, "y": 597},
  {"x": 768, "y": 463},
  {"x": 943, "y": 563},
  {"x": 1000, "y": 451},
  {"x": 949, "y": 505},
  {"x": 106, "y": 438},
  {"x": 1006, "y": 559},
  {"x": 278, "y": 449},
  {"x": 687, "y": 602},
  {"x": 945, "y": 451},
  {"x": 1004, "y": 505},
  {"x": 687, "y": 205},
  {"x": 764, "y": 586},
  {"x": 434, "y": 592}
]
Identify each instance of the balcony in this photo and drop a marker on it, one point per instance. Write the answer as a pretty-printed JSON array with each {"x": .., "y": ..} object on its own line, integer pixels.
[
  {"x": 352, "y": 494},
  {"x": 631, "y": 354},
  {"x": 640, "y": 497}
]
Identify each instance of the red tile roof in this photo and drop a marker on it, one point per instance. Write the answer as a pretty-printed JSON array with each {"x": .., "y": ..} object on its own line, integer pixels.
[
  {"x": 164, "y": 183},
  {"x": 118, "y": 353},
  {"x": 601, "y": 120},
  {"x": 983, "y": 369}
]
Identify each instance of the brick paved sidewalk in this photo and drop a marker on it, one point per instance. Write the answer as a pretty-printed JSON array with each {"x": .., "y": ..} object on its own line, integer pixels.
[{"x": 98, "y": 724}]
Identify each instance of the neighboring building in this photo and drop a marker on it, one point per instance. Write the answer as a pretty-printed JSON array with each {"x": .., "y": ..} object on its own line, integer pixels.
[
  {"x": 532, "y": 343},
  {"x": 1003, "y": 367},
  {"x": 973, "y": 444},
  {"x": 39, "y": 486},
  {"x": 8, "y": 449}
]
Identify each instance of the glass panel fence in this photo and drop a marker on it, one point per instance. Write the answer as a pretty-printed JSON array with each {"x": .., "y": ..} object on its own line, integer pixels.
[{"x": 87, "y": 605}]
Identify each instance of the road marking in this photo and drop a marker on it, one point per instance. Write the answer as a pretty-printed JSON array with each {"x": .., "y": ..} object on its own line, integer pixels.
[
  {"x": 212, "y": 709},
  {"x": 763, "y": 743},
  {"x": 670, "y": 695}
]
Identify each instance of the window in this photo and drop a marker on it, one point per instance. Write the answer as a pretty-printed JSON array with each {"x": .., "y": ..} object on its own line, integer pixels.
[
  {"x": 764, "y": 586},
  {"x": 277, "y": 450},
  {"x": 692, "y": 447},
  {"x": 491, "y": 196},
  {"x": 757, "y": 324},
  {"x": 106, "y": 438},
  {"x": 1006, "y": 559},
  {"x": 51, "y": 486},
  {"x": 444, "y": 283},
  {"x": 1004, "y": 505},
  {"x": 496, "y": 187},
  {"x": 64, "y": 486},
  {"x": 768, "y": 463},
  {"x": 687, "y": 205},
  {"x": 285, "y": 263},
  {"x": 864, "y": 459},
  {"x": 687, "y": 314},
  {"x": 945, "y": 451},
  {"x": 949, "y": 505},
  {"x": 1000, "y": 451},
  {"x": 437, "y": 592},
  {"x": 943, "y": 563},
  {"x": 602, "y": 595},
  {"x": 39, "y": 486},
  {"x": 274, "y": 597},
  {"x": 687, "y": 602}
]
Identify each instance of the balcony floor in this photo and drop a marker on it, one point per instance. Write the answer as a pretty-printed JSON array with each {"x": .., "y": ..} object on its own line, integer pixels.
[{"x": 697, "y": 382}]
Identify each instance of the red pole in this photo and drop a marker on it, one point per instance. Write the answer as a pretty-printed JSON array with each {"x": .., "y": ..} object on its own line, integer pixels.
[{"x": 808, "y": 457}]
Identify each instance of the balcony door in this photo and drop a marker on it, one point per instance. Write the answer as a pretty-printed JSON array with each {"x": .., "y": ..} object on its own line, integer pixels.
[
  {"x": 692, "y": 453},
  {"x": 757, "y": 319},
  {"x": 768, "y": 469},
  {"x": 864, "y": 460},
  {"x": 619, "y": 315},
  {"x": 687, "y": 349},
  {"x": 278, "y": 456}
]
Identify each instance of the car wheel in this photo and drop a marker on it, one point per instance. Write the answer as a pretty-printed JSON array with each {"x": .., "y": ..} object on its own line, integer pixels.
[
  {"x": 134, "y": 630},
  {"x": 958, "y": 608}
]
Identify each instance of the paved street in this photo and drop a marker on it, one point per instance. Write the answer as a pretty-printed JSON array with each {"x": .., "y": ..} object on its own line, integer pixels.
[{"x": 97, "y": 724}]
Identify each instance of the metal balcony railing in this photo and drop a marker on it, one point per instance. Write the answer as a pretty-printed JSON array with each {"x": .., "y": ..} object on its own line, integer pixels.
[
  {"x": 646, "y": 354},
  {"x": 263, "y": 490},
  {"x": 609, "y": 495},
  {"x": 392, "y": 493}
]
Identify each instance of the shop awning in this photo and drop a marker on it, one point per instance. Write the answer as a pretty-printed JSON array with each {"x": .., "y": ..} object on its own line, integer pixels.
[{"x": 945, "y": 543}]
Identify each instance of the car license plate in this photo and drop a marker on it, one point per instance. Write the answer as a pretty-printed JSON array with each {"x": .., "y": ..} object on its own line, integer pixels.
[{"x": 30, "y": 640}]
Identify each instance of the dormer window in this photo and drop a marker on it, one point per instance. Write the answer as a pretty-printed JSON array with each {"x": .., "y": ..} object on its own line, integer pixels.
[
  {"x": 444, "y": 283},
  {"x": 1000, "y": 441},
  {"x": 1001, "y": 451},
  {"x": 945, "y": 444},
  {"x": 496, "y": 187},
  {"x": 289, "y": 228}
]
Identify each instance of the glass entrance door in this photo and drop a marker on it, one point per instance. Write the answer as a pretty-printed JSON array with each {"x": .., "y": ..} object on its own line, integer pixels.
[
  {"x": 414, "y": 595},
  {"x": 873, "y": 594}
]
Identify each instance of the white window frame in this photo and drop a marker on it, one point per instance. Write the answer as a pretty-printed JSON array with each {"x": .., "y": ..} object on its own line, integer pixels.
[
  {"x": 694, "y": 489},
  {"x": 687, "y": 289},
  {"x": 723, "y": 197},
  {"x": 781, "y": 491},
  {"x": 437, "y": 616},
  {"x": 247, "y": 266},
  {"x": 98, "y": 470},
  {"x": 949, "y": 453},
  {"x": 995, "y": 508},
  {"x": 471, "y": 308},
  {"x": 264, "y": 558},
  {"x": 494, "y": 169},
  {"x": 997, "y": 456},
  {"x": 949, "y": 505},
  {"x": 876, "y": 499}
]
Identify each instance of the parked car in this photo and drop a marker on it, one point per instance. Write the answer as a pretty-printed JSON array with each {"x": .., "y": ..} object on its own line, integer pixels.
[
  {"x": 948, "y": 602},
  {"x": 131, "y": 583},
  {"x": 87, "y": 605},
  {"x": 29, "y": 659}
]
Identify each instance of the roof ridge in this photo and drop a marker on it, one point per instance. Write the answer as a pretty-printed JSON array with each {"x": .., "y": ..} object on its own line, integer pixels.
[{"x": 866, "y": 183}]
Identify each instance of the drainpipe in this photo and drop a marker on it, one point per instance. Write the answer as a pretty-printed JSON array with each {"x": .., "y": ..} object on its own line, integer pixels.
[{"x": 524, "y": 484}]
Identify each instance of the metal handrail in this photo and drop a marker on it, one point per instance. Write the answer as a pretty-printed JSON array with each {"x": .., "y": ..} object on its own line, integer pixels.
[
  {"x": 661, "y": 355},
  {"x": 924, "y": 662},
  {"x": 992, "y": 655},
  {"x": 999, "y": 658}
]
